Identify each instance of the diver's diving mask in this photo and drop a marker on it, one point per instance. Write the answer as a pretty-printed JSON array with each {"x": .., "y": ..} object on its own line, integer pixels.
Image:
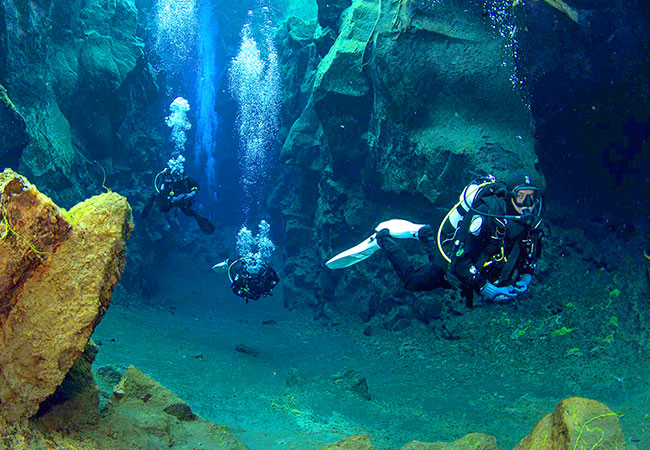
[{"x": 526, "y": 197}]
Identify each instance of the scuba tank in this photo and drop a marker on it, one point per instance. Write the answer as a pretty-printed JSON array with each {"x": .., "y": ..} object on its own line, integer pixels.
[
  {"x": 458, "y": 211},
  {"x": 464, "y": 204}
]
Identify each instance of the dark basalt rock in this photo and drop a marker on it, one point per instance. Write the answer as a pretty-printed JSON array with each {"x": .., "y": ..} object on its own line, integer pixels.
[
  {"x": 329, "y": 12},
  {"x": 13, "y": 131}
]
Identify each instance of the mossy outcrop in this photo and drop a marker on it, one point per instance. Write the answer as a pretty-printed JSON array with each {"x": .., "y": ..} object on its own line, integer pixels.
[
  {"x": 58, "y": 272},
  {"x": 356, "y": 442},
  {"x": 577, "y": 423},
  {"x": 140, "y": 416},
  {"x": 471, "y": 441}
]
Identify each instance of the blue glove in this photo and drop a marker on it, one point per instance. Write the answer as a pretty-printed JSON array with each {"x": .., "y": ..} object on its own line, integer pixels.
[
  {"x": 522, "y": 285},
  {"x": 494, "y": 293}
]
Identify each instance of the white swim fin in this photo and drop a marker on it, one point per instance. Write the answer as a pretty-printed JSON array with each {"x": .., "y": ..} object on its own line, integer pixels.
[
  {"x": 221, "y": 267},
  {"x": 401, "y": 229},
  {"x": 354, "y": 255}
]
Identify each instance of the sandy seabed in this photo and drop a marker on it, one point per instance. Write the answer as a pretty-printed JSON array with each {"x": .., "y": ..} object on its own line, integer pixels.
[{"x": 278, "y": 393}]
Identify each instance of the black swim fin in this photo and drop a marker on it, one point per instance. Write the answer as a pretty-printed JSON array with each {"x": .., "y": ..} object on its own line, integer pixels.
[
  {"x": 204, "y": 224},
  {"x": 147, "y": 208}
]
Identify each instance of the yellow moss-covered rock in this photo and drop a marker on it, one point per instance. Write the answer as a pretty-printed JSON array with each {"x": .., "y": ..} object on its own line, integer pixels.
[
  {"x": 31, "y": 227},
  {"x": 143, "y": 415},
  {"x": 576, "y": 424},
  {"x": 135, "y": 419},
  {"x": 136, "y": 384},
  {"x": 471, "y": 441},
  {"x": 355, "y": 442},
  {"x": 57, "y": 273}
]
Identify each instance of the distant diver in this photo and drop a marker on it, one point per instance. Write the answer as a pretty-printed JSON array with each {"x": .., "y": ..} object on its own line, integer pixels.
[
  {"x": 246, "y": 283},
  {"x": 251, "y": 275},
  {"x": 177, "y": 190},
  {"x": 494, "y": 242}
]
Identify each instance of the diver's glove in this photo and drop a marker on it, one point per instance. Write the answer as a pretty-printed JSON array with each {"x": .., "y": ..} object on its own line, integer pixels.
[
  {"x": 523, "y": 284},
  {"x": 496, "y": 294},
  {"x": 177, "y": 199}
]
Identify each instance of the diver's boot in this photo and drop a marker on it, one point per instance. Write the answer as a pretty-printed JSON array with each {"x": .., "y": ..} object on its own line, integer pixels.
[{"x": 396, "y": 255}]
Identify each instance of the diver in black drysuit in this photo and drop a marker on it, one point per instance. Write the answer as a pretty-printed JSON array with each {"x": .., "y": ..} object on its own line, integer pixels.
[
  {"x": 177, "y": 190},
  {"x": 492, "y": 255},
  {"x": 250, "y": 285},
  {"x": 424, "y": 278}
]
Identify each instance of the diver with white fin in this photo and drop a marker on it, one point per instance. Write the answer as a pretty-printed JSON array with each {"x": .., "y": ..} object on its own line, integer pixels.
[
  {"x": 494, "y": 241},
  {"x": 251, "y": 275}
]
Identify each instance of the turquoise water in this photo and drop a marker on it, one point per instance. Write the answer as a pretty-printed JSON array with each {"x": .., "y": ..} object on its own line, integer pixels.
[{"x": 297, "y": 127}]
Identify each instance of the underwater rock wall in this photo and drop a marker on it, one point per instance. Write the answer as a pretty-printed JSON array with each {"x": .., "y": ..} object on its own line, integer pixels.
[
  {"x": 407, "y": 102},
  {"x": 57, "y": 272},
  {"x": 13, "y": 133},
  {"x": 67, "y": 67},
  {"x": 88, "y": 102}
]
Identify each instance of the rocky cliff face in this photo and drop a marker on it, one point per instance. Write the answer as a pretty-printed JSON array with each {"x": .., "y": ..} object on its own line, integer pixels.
[
  {"x": 59, "y": 269},
  {"x": 406, "y": 101},
  {"x": 75, "y": 71}
]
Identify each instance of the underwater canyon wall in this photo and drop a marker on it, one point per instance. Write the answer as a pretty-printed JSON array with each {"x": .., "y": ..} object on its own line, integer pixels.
[{"x": 401, "y": 104}]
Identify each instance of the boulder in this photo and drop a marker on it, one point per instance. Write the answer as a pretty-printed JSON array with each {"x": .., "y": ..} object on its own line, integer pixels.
[
  {"x": 355, "y": 442},
  {"x": 57, "y": 272},
  {"x": 577, "y": 423},
  {"x": 471, "y": 441},
  {"x": 135, "y": 384},
  {"x": 353, "y": 381},
  {"x": 144, "y": 414}
]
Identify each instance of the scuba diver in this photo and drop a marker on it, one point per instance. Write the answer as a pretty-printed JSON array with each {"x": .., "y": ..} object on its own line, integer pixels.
[
  {"x": 494, "y": 247},
  {"x": 251, "y": 276},
  {"x": 177, "y": 190},
  {"x": 248, "y": 279}
]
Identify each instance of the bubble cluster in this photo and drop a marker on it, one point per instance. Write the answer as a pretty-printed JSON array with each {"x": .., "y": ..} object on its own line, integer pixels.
[
  {"x": 503, "y": 21},
  {"x": 176, "y": 166},
  {"x": 176, "y": 26},
  {"x": 255, "y": 85},
  {"x": 257, "y": 250},
  {"x": 179, "y": 123}
]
